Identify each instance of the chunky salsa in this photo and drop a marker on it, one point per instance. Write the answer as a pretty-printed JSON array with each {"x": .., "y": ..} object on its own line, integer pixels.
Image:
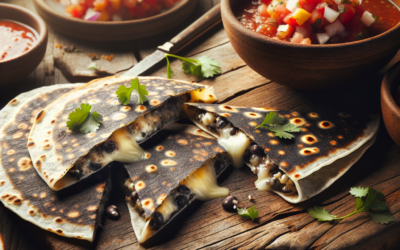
[
  {"x": 15, "y": 39},
  {"x": 115, "y": 10},
  {"x": 318, "y": 21}
]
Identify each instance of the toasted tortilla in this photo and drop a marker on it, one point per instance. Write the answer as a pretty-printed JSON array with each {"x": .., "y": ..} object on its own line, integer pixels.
[
  {"x": 74, "y": 212},
  {"x": 72, "y": 156},
  {"x": 325, "y": 148},
  {"x": 182, "y": 164}
]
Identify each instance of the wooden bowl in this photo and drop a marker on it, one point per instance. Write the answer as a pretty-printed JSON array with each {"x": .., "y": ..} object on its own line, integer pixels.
[
  {"x": 113, "y": 30},
  {"x": 309, "y": 67},
  {"x": 390, "y": 109},
  {"x": 17, "y": 68}
]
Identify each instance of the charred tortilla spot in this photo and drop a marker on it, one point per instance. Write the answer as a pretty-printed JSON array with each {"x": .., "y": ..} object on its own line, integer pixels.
[
  {"x": 100, "y": 188},
  {"x": 47, "y": 147},
  {"x": 225, "y": 115},
  {"x": 309, "y": 151},
  {"x": 58, "y": 220},
  {"x": 31, "y": 212},
  {"x": 274, "y": 142},
  {"x": 148, "y": 203},
  {"x": 140, "y": 185},
  {"x": 92, "y": 208},
  {"x": 168, "y": 163},
  {"x": 284, "y": 164},
  {"x": 199, "y": 158},
  {"x": 140, "y": 108},
  {"x": 13, "y": 102},
  {"x": 287, "y": 116},
  {"x": 23, "y": 126},
  {"x": 333, "y": 142},
  {"x": 73, "y": 214},
  {"x": 11, "y": 152},
  {"x": 40, "y": 116},
  {"x": 151, "y": 168},
  {"x": 325, "y": 125},
  {"x": 2, "y": 183},
  {"x": 118, "y": 116},
  {"x": 43, "y": 195},
  {"x": 147, "y": 155},
  {"x": 161, "y": 198},
  {"x": 18, "y": 135},
  {"x": 24, "y": 164},
  {"x": 18, "y": 202},
  {"x": 172, "y": 169},
  {"x": 155, "y": 102},
  {"x": 53, "y": 122},
  {"x": 313, "y": 115},
  {"x": 170, "y": 153},
  {"x": 252, "y": 115},
  {"x": 281, "y": 152},
  {"x": 253, "y": 124},
  {"x": 296, "y": 176},
  {"x": 298, "y": 121},
  {"x": 159, "y": 148},
  {"x": 11, "y": 170},
  {"x": 340, "y": 137},
  {"x": 59, "y": 231},
  {"x": 309, "y": 139}
]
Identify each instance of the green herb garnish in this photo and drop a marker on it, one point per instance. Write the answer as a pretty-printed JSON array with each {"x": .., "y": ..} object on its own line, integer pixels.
[
  {"x": 84, "y": 121},
  {"x": 342, "y": 9},
  {"x": 251, "y": 212},
  {"x": 368, "y": 200},
  {"x": 93, "y": 66},
  {"x": 124, "y": 93},
  {"x": 203, "y": 67},
  {"x": 360, "y": 36},
  {"x": 279, "y": 126}
]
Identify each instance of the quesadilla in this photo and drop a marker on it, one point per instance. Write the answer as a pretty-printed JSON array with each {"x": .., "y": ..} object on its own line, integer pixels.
[
  {"x": 74, "y": 212},
  {"x": 72, "y": 156},
  {"x": 326, "y": 146},
  {"x": 182, "y": 164}
]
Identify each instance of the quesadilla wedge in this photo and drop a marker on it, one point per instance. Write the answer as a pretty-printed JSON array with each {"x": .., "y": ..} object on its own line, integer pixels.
[
  {"x": 74, "y": 212},
  {"x": 182, "y": 164},
  {"x": 72, "y": 156},
  {"x": 325, "y": 147}
]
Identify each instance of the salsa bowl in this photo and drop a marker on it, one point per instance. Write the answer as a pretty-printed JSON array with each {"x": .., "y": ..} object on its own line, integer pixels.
[
  {"x": 391, "y": 109},
  {"x": 54, "y": 15},
  {"x": 309, "y": 67},
  {"x": 16, "y": 68}
]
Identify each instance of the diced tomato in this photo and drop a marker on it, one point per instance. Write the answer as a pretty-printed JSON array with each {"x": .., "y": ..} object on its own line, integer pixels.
[
  {"x": 321, "y": 7},
  {"x": 348, "y": 13},
  {"x": 115, "y": 4},
  {"x": 266, "y": 2},
  {"x": 76, "y": 10},
  {"x": 267, "y": 29},
  {"x": 356, "y": 28},
  {"x": 282, "y": 10},
  {"x": 286, "y": 34},
  {"x": 263, "y": 10},
  {"x": 89, "y": 3},
  {"x": 130, "y": 3},
  {"x": 308, "y": 5},
  {"x": 100, "y": 5},
  {"x": 359, "y": 10},
  {"x": 289, "y": 19},
  {"x": 151, "y": 2}
]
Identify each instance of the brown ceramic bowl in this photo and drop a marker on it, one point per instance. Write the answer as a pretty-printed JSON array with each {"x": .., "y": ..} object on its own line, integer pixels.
[
  {"x": 390, "y": 109},
  {"x": 308, "y": 67},
  {"x": 17, "y": 68},
  {"x": 54, "y": 15}
]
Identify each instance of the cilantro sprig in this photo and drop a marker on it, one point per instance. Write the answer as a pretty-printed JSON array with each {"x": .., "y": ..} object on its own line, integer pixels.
[
  {"x": 203, "y": 67},
  {"x": 368, "y": 200},
  {"x": 124, "y": 93},
  {"x": 251, "y": 212},
  {"x": 279, "y": 126},
  {"x": 84, "y": 121}
]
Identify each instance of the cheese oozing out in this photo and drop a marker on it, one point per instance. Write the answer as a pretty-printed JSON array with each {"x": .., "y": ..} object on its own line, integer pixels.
[
  {"x": 201, "y": 185},
  {"x": 235, "y": 146}
]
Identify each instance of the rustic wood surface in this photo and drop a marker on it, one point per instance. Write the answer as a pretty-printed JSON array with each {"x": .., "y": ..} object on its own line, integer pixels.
[{"x": 206, "y": 225}]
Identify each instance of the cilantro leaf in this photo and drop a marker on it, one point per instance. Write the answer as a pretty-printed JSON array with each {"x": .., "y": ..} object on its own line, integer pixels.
[
  {"x": 93, "y": 66},
  {"x": 203, "y": 67},
  {"x": 383, "y": 217},
  {"x": 358, "y": 191},
  {"x": 251, "y": 212},
  {"x": 276, "y": 124},
  {"x": 82, "y": 120},
  {"x": 124, "y": 93},
  {"x": 367, "y": 200},
  {"x": 321, "y": 214}
]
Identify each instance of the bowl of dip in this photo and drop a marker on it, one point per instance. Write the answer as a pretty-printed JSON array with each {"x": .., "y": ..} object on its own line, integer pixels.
[{"x": 23, "y": 42}]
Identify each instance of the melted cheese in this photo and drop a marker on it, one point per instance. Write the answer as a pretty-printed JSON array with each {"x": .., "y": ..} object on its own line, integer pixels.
[
  {"x": 203, "y": 183},
  {"x": 167, "y": 207},
  {"x": 235, "y": 146},
  {"x": 127, "y": 151},
  {"x": 203, "y": 95}
]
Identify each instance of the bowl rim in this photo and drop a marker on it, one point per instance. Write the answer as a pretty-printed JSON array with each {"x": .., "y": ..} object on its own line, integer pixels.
[
  {"x": 227, "y": 12},
  {"x": 389, "y": 79},
  {"x": 42, "y": 32},
  {"x": 173, "y": 9}
]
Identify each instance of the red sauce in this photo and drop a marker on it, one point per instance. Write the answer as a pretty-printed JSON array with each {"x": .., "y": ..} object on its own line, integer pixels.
[
  {"x": 255, "y": 15},
  {"x": 16, "y": 40}
]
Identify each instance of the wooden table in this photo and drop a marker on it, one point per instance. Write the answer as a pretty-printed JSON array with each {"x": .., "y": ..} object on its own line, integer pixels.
[{"x": 206, "y": 225}]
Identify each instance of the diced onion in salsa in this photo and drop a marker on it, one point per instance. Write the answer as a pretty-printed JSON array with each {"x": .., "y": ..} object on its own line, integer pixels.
[{"x": 318, "y": 21}]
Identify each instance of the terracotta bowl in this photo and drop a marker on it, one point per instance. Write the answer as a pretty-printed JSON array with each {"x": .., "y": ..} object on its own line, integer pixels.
[
  {"x": 390, "y": 109},
  {"x": 54, "y": 15},
  {"x": 17, "y": 68},
  {"x": 309, "y": 67}
]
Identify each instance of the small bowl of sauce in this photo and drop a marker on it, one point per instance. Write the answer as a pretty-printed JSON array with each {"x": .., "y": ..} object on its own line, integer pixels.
[{"x": 23, "y": 42}]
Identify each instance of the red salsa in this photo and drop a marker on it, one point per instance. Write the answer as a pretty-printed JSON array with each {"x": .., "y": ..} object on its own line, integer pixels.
[
  {"x": 318, "y": 21},
  {"x": 16, "y": 39}
]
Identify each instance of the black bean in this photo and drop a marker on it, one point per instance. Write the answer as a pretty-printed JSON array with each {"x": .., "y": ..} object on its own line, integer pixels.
[
  {"x": 94, "y": 166},
  {"x": 133, "y": 197},
  {"x": 218, "y": 167},
  {"x": 183, "y": 189},
  {"x": 233, "y": 131},
  {"x": 286, "y": 190},
  {"x": 255, "y": 149},
  {"x": 143, "y": 134},
  {"x": 157, "y": 221},
  {"x": 187, "y": 97},
  {"x": 273, "y": 182},
  {"x": 181, "y": 201},
  {"x": 230, "y": 203},
  {"x": 221, "y": 123},
  {"x": 108, "y": 146},
  {"x": 112, "y": 212}
]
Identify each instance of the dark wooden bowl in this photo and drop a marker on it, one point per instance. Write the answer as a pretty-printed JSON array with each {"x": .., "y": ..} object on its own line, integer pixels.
[
  {"x": 17, "y": 68},
  {"x": 114, "y": 30},
  {"x": 309, "y": 67},
  {"x": 390, "y": 109}
]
